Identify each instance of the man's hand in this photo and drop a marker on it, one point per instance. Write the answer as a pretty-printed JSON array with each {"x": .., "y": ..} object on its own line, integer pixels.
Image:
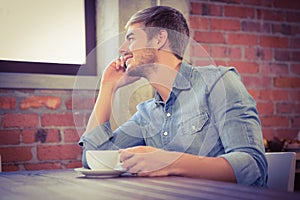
[
  {"x": 147, "y": 161},
  {"x": 115, "y": 74}
]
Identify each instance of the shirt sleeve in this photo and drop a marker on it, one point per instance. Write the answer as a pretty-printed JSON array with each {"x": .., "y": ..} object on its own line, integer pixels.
[
  {"x": 103, "y": 138},
  {"x": 96, "y": 137},
  {"x": 236, "y": 118}
]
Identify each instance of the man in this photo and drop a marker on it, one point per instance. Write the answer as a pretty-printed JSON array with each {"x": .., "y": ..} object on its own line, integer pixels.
[{"x": 201, "y": 122}]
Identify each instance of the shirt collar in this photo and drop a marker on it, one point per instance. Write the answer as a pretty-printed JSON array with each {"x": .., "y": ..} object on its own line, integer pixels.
[{"x": 182, "y": 80}]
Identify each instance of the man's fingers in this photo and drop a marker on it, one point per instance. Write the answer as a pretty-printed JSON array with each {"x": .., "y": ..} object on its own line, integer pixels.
[
  {"x": 124, "y": 155},
  {"x": 120, "y": 63}
]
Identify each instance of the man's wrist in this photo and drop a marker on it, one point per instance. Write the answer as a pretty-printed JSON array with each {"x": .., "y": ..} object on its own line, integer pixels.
[
  {"x": 174, "y": 167},
  {"x": 108, "y": 86}
]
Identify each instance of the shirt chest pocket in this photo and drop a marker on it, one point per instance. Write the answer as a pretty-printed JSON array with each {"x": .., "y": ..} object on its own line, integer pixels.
[{"x": 194, "y": 124}]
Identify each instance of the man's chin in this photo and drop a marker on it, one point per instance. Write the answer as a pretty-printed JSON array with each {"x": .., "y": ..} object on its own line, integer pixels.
[
  {"x": 133, "y": 71},
  {"x": 128, "y": 69},
  {"x": 138, "y": 70}
]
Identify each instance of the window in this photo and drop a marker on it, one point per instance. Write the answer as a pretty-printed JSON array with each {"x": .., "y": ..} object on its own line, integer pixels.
[
  {"x": 30, "y": 37},
  {"x": 43, "y": 73}
]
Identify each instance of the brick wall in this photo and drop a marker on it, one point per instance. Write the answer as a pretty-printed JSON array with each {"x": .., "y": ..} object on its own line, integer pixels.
[
  {"x": 39, "y": 129},
  {"x": 260, "y": 37}
]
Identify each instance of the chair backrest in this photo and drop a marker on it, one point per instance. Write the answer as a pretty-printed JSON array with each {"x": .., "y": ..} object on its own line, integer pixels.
[{"x": 281, "y": 170}]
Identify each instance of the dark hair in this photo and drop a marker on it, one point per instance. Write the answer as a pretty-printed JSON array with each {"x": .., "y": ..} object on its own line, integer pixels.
[{"x": 168, "y": 18}]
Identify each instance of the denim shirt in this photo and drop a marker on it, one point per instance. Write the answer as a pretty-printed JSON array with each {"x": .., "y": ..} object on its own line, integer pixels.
[{"x": 208, "y": 113}]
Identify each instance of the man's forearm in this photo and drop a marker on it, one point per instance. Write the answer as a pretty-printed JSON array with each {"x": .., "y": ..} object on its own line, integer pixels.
[
  {"x": 103, "y": 106},
  {"x": 203, "y": 167}
]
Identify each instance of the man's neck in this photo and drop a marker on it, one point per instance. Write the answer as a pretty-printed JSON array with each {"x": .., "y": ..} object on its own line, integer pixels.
[{"x": 163, "y": 77}]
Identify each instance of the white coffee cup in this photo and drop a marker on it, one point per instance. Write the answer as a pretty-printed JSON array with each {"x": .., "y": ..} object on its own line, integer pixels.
[{"x": 103, "y": 159}]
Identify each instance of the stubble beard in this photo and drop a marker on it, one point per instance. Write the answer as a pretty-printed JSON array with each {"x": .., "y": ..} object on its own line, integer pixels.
[{"x": 144, "y": 63}]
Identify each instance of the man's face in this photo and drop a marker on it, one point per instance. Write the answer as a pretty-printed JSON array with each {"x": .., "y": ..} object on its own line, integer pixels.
[{"x": 138, "y": 52}]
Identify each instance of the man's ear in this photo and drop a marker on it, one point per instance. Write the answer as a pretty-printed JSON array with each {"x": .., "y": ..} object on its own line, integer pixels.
[{"x": 162, "y": 39}]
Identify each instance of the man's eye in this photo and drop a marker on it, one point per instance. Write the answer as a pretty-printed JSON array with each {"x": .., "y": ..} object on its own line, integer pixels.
[{"x": 130, "y": 39}]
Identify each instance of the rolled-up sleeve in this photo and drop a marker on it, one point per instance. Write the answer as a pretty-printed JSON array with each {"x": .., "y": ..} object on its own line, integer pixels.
[
  {"x": 103, "y": 138},
  {"x": 95, "y": 139},
  {"x": 245, "y": 168},
  {"x": 239, "y": 128}
]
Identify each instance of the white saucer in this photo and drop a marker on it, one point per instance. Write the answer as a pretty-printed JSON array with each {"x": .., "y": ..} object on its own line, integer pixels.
[{"x": 105, "y": 173}]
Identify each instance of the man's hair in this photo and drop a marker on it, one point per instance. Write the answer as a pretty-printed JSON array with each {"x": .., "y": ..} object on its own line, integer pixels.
[{"x": 164, "y": 17}]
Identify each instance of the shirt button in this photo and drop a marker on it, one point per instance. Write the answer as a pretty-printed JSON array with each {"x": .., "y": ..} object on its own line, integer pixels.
[
  {"x": 165, "y": 133},
  {"x": 168, "y": 114}
]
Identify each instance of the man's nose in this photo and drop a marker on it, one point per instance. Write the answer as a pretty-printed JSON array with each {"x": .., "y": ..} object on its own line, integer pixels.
[{"x": 123, "y": 48}]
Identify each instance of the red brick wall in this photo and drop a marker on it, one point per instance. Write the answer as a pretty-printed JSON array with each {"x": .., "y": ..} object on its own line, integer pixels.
[
  {"x": 261, "y": 38},
  {"x": 39, "y": 129}
]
